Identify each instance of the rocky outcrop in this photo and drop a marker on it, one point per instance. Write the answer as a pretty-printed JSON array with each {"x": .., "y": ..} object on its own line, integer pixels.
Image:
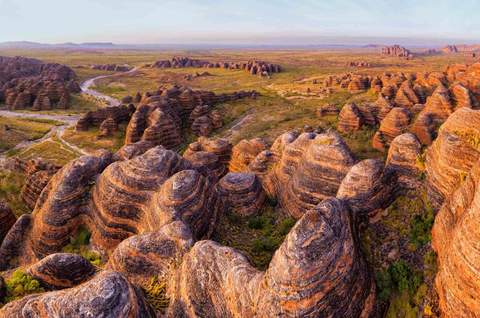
[
  {"x": 350, "y": 119},
  {"x": 308, "y": 169},
  {"x": 327, "y": 110},
  {"x": 7, "y": 219},
  {"x": 143, "y": 256},
  {"x": 393, "y": 125},
  {"x": 454, "y": 237},
  {"x": 57, "y": 213},
  {"x": 30, "y": 83},
  {"x": 320, "y": 251},
  {"x": 403, "y": 157},
  {"x": 62, "y": 270},
  {"x": 207, "y": 163},
  {"x": 397, "y": 51},
  {"x": 108, "y": 127},
  {"x": 452, "y": 154},
  {"x": 111, "y": 67},
  {"x": 108, "y": 294},
  {"x": 368, "y": 187},
  {"x": 162, "y": 130},
  {"x": 242, "y": 193},
  {"x": 244, "y": 152},
  {"x": 254, "y": 67}
]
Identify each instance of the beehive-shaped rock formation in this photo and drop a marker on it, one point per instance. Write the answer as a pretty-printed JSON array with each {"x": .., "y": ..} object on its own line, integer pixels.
[
  {"x": 162, "y": 130},
  {"x": 452, "y": 154},
  {"x": 122, "y": 192},
  {"x": 108, "y": 127},
  {"x": 350, "y": 119},
  {"x": 143, "y": 256},
  {"x": 207, "y": 163},
  {"x": 406, "y": 95},
  {"x": 368, "y": 187},
  {"x": 108, "y": 294},
  {"x": 242, "y": 193},
  {"x": 244, "y": 152},
  {"x": 62, "y": 270},
  {"x": 393, "y": 125},
  {"x": 319, "y": 252},
  {"x": 403, "y": 156},
  {"x": 186, "y": 196},
  {"x": 137, "y": 124},
  {"x": 311, "y": 169}
]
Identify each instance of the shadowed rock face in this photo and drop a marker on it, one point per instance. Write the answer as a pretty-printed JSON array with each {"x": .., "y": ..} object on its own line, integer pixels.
[
  {"x": 320, "y": 251},
  {"x": 62, "y": 270},
  {"x": 7, "y": 219},
  {"x": 455, "y": 238},
  {"x": 151, "y": 254},
  {"x": 452, "y": 154},
  {"x": 57, "y": 213},
  {"x": 109, "y": 295}
]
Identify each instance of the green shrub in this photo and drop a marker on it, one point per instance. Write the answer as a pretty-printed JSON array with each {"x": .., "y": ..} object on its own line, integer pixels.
[
  {"x": 421, "y": 227},
  {"x": 79, "y": 245},
  {"x": 21, "y": 284},
  {"x": 399, "y": 277},
  {"x": 286, "y": 225}
]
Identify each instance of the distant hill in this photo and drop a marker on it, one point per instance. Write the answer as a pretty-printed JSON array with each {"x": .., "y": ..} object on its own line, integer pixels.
[{"x": 36, "y": 45}]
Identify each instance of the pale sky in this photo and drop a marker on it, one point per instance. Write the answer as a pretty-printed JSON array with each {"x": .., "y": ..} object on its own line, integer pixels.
[{"x": 229, "y": 21}]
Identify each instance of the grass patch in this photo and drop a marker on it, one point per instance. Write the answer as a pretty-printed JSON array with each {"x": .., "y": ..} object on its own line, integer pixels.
[
  {"x": 11, "y": 184},
  {"x": 88, "y": 140},
  {"x": 360, "y": 143},
  {"x": 258, "y": 237},
  {"x": 16, "y": 130},
  {"x": 156, "y": 294},
  {"x": 51, "y": 150}
]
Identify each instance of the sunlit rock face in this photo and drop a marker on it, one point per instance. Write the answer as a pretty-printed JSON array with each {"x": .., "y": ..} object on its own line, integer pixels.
[
  {"x": 452, "y": 154},
  {"x": 455, "y": 237}
]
